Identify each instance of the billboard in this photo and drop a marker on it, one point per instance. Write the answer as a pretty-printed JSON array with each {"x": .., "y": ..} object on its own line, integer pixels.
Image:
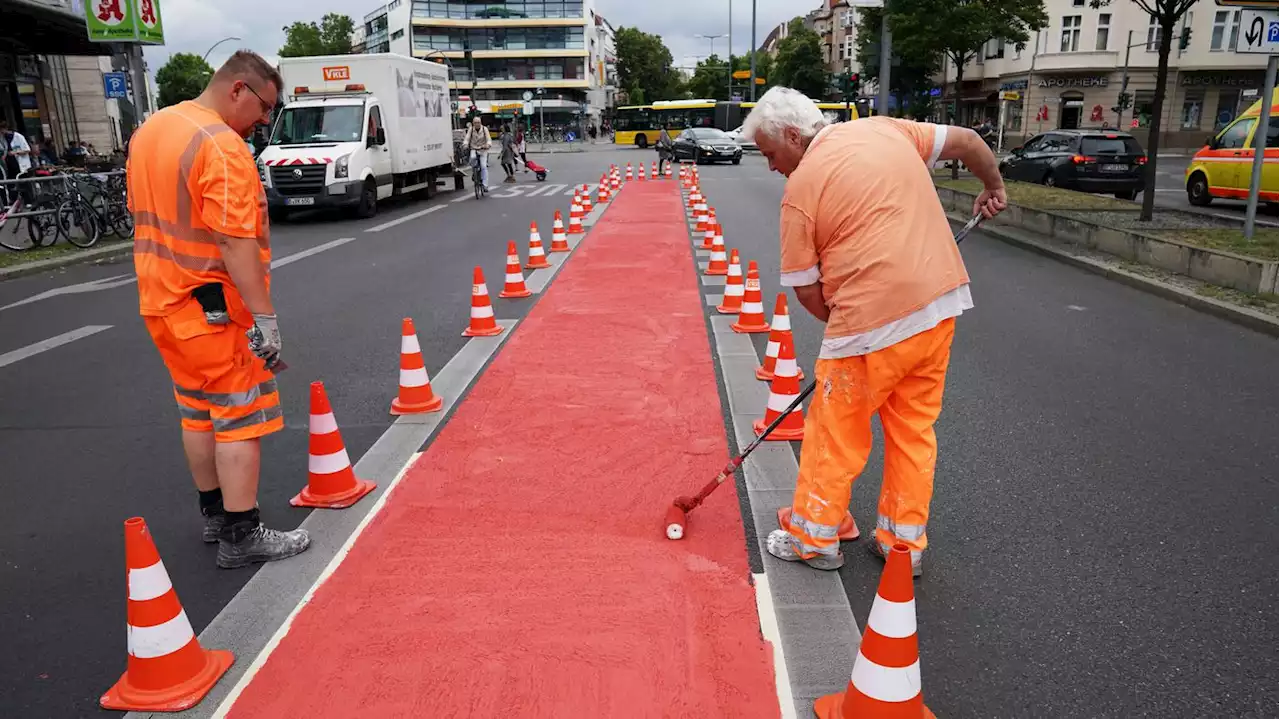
[{"x": 124, "y": 21}]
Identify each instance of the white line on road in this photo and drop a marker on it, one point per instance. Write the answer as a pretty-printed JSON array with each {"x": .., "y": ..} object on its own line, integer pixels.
[
  {"x": 769, "y": 630},
  {"x": 406, "y": 218},
  {"x": 31, "y": 350},
  {"x": 105, "y": 283},
  {"x": 288, "y": 259}
]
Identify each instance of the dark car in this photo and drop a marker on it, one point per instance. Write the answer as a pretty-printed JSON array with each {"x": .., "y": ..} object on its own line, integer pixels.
[
  {"x": 1085, "y": 160},
  {"x": 707, "y": 144}
]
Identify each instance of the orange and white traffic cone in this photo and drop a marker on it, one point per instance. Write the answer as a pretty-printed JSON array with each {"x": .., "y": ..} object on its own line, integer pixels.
[
  {"x": 751, "y": 319},
  {"x": 732, "y": 302},
  {"x": 783, "y": 390},
  {"x": 575, "y": 219},
  {"x": 482, "y": 322},
  {"x": 701, "y": 212},
  {"x": 692, "y": 203},
  {"x": 654, "y": 171},
  {"x": 718, "y": 264},
  {"x": 629, "y": 175},
  {"x": 538, "y": 256},
  {"x": 513, "y": 286},
  {"x": 886, "y": 674},
  {"x": 586, "y": 200},
  {"x": 713, "y": 231},
  {"x": 615, "y": 183},
  {"x": 167, "y": 669},
  {"x": 640, "y": 174},
  {"x": 667, "y": 172},
  {"x": 415, "y": 395},
  {"x": 602, "y": 196},
  {"x": 781, "y": 326},
  {"x": 331, "y": 482}
]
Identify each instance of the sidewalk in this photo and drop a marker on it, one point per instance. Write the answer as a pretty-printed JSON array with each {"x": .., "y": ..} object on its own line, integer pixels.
[{"x": 520, "y": 566}]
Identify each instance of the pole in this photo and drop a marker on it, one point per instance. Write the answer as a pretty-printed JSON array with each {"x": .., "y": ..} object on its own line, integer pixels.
[
  {"x": 1260, "y": 146},
  {"x": 1004, "y": 104},
  {"x": 886, "y": 53},
  {"x": 1026, "y": 97},
  {"x": 753, "y": 50},
  {"x": 1124, "y": 83},
  {"x": 206, "y": 52},
  {"x": 141, "y": 102},
  {"x": 730, "y": 73}
]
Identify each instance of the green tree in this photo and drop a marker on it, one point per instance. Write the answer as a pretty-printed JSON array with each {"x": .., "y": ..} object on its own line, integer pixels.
[
  {"x": 331, "y": 37},
  {"x": 183, "y": 77},
  {"x": 911, "y": 75},
  {"x": 799, "y": 64},
  {"x": 710, "y": 79},
  {"x": 1167, "y": 14},
  {"x": 958, "y": 30},
  {"x": 644, "y": 67},
  {"x": 764, "y": 69}
]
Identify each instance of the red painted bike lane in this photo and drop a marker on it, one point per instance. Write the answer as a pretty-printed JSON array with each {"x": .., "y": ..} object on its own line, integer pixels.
[{"x": 520, "y": 568}]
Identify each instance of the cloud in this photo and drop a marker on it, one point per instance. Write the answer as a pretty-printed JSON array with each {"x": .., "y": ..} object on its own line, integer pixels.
[{"x": 680, "y": 22}]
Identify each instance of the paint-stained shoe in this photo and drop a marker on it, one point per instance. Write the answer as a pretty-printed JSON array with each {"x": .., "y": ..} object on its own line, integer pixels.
[
  {"x": 244, "y": 544},
  {"x": 783, "y": 546}
]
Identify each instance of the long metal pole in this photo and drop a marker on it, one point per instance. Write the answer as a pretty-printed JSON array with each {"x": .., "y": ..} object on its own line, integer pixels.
[
  {"x": 1260, "y": 146},
  {"x": 1026, "y": 92},
  {"x": 1124, "y": 83},
  {"x": 886, "y": 54},
  {"x": 730, "y": 73},
  {"x": 753, "y": 50}
]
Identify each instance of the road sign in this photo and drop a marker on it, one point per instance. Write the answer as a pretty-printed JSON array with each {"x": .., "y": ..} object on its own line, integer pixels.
[
  {"x": 741, "y": 74},
  {"x": 1012, "y": 95},
  {"x": 115, "y": 85},
  {"x": 1257, "y": 4},
  {"x": 1259, "y": 32},
  {"x": 124, "y": 21},
  {"x": 760, "y": 80},
  {"x": 527, "y": 95}
]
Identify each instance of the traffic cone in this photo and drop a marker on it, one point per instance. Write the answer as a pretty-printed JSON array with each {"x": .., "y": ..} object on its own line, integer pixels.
[
  {"x": 331, "y": 483},
  {"x": 654, "y": 171},
  {"x": 615, "y": 184},
  {"x": 751, "y": 319},
  {"x": 692, "y": 202},
  {"x": 701, "y": 213},
  {"x": 167, "y": 668},
  {"x": 782, "y": 391},
  {"x": 640, "y": 173},
  {"x": 667, "y": 173},
  {"x": 538, "y": 257},
  {"x": 732, "y": 302},
  {"x": 514, "y": 286},
  {"x": 575, "y": 219},
  {"x": 586, "y": 200},
  {"x": 781, "y": 326},
  {"x": 718, "y": 264},
  {"x": 886, "y": 674},
  {"x": 415, "y": 395},
  {"x": 482, "y": 322},
  {"x": 629, "y": 172},
  {"x": 603, "y": 195},
  {"x": 713, "y": 231}
]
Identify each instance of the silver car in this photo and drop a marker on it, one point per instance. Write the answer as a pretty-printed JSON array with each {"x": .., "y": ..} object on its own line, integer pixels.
[{"x": 743, "y": 142}]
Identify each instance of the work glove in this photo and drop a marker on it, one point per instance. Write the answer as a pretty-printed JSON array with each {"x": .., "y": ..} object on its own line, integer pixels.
[{"x": 264, "y": 339}]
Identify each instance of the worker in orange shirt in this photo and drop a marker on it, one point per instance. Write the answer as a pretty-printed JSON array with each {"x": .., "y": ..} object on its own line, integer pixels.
[
  {"x": 203, "y": 259},
  {"x": 868, "y": 250}
]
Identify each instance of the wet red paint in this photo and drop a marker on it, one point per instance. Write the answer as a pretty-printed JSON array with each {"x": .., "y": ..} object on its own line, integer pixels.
[{"x": 520, "y": 568}]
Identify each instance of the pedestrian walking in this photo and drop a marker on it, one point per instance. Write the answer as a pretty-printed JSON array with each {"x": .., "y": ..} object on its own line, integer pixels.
[
  {"x": 867, "y": 249},
  {"x": 508, "y": 143},
  {"x": 202, "y": 255},
  {"x": 521, "y": 149},
  {"x": 666, "y": 148}
]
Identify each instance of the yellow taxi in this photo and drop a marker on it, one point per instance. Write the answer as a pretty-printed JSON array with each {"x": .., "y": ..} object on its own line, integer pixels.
[{"x": 1224, "y": 167}]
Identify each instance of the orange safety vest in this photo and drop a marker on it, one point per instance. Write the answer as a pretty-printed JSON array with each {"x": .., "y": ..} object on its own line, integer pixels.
[{"x": 191, "y": 177}]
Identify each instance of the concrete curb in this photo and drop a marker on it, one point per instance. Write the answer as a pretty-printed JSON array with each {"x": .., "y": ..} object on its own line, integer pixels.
[
  {"x": 1224, "y": 310},
  {"x": 76, "y": 258}
]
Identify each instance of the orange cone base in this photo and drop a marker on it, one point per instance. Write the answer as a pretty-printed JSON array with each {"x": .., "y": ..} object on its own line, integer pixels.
[
  {"x": 728, "y": 310},
  {"x": 341, "y": 500},
  {"x": 767, "y": 376},
  {"x": 508, "y": 295},
  {"x": 468, "y": 332},
  {"x": 124, "y": 697},
  {"x": 778, "y": 434},
  {"x": 847, "y": 533},
  {"x": 566, "y": 248},
  {"x": 829, "y": 707},
  {"x": 539, "y": 266},
  {"x": 712, "y": 273},
  {"x": 398, "y": 407},
  {"x": 749, "y": 329}
]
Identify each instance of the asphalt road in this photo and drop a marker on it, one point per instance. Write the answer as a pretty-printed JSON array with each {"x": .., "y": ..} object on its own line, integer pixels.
[
  {"x": 89, "y": 431},
  {"x": 1103, "y": 537}
]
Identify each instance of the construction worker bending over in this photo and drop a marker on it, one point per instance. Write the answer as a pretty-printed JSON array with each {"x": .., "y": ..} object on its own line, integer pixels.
[
  {"x": 203, "y": 261},
  {"x": 867, "y": 248}
]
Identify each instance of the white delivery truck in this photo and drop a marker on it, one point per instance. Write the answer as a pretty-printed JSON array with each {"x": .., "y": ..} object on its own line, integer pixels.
[{"x": 356, "y": 129}]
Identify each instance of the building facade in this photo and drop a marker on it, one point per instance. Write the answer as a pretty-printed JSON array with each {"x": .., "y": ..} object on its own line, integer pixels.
[
  {"x": 1072, "y": 73},
  {"x": 559, "y": 47}
]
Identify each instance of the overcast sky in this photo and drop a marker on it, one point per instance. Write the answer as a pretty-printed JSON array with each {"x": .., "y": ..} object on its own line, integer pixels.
[{"x": 194, "y": 25}]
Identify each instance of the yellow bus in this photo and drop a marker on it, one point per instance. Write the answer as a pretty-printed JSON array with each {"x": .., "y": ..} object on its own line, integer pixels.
[{"x": 639, "y": 124}]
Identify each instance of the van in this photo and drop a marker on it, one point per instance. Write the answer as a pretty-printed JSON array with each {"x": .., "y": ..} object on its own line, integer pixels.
[{"x": 1223, "y": 168}]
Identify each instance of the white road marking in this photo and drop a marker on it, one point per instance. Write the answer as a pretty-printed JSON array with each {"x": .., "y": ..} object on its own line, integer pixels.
[
  {"x": 1076, "y": 308},
  {"x": 509, "y": 191},
  {"x": 328, "y": 571},
  {"x": 547, "y": 190},
  {"x": 406, "y": 218},
  {"x": 465, "y": 197},
  {"x": 105, "y": 283},
  {"x": 769, "y": 630},
  {"x": 288, "y": 259},
  {"x": 31, "y": 350}
]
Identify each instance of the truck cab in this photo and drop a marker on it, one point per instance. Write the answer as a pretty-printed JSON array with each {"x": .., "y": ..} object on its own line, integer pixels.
[{"x": 1223, "y": 168}]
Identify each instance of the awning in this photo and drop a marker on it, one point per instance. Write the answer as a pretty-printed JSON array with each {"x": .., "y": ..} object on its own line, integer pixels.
[{"x": 32, "y": 28}]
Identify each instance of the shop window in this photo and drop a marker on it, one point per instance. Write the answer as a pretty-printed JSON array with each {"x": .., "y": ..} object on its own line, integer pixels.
[
  {"x": 1228, "y": 100},
  {"x": 1143, "y": 103},
  {"x": 1070, "y": 33},
  {"x": 1013, "y": 116},
  {"x": 1104, "y": 32},
  {"x": 1192, "y": 106}
]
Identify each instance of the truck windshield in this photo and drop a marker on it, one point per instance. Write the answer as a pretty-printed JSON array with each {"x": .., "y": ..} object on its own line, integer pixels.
[{"x": 335, "y": 123}]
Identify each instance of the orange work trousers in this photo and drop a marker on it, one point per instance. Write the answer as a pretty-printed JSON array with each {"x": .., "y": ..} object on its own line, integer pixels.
[{"x": 904, "y": 383}]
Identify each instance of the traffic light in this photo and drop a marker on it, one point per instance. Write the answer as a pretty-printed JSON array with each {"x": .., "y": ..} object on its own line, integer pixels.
[
  {"x": 1124, "y": 100},
  {"x": 1185, "y": 39},
  {"x": 851, "y": 84}
]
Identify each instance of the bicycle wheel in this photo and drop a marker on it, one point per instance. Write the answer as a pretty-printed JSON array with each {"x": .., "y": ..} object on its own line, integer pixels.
[
  {"x": 79, "y": 223},
  {"x": 476, "y": 184},
  {"x": 122, "y": 223},
  {"x": 11, "y": 240},
  {"x": 43, "y": 228}
]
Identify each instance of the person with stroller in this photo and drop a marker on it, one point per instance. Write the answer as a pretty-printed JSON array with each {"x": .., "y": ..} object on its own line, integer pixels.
[
  {"x": 521, "y": 150},
  {"x": 508, "y": 159}
]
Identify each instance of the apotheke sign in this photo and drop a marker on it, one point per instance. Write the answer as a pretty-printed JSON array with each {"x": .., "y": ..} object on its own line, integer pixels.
[
  {"x": 1224, "y": 80},
  {"x": 1091, "y": 81}
]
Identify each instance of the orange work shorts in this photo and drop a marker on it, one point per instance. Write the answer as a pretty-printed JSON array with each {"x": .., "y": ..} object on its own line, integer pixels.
[{"x": 220, "y": 386}]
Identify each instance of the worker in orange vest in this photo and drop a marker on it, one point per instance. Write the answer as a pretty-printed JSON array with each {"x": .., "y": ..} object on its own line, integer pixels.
[{"x": 203, "y": 260}]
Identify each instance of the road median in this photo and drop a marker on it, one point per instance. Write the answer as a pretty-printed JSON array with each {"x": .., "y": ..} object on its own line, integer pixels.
[{"x": 30, "y": 262}]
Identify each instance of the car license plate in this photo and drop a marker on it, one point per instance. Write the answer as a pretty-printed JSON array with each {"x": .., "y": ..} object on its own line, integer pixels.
[
  {"x": 300, "y": 201},
  {"x": 1114, "y": 168}
]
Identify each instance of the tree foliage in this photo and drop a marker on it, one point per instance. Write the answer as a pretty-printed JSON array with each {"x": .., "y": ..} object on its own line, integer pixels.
[
  {"x": 644, "y": 67},
  {"x": 911, "y": 75},
  {"x": 183, "y": 77},
  {"x": 331, "y": 37},
  {"x": 711, "y": 77},
  {"x": 799, "y": 64}
]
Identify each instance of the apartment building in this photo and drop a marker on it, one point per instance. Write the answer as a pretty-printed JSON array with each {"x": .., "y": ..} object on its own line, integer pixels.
[
  {"x": 1071, "y": 74},
  {"x": 562, "y": 47}
]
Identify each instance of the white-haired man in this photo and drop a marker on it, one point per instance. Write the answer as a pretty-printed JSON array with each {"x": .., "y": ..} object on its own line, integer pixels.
[{"x": 867, "y": 248}]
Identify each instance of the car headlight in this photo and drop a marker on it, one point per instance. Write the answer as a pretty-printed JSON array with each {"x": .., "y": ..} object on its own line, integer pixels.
[
  {"x": 262, "y": 172},
  {"x": 340, "y": 167},
  {"x": 706, "y": 148}
]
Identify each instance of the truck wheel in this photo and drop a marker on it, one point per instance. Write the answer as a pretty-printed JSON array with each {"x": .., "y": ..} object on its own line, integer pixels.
[
  {"x": 1198, "y": 190},
  {"x": 368, "y": 206},
  {"x": 278, "y": 214}
]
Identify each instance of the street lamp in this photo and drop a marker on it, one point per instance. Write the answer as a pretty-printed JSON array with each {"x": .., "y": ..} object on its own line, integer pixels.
[
  {"x": 225, "y": 39},
  {"x": 711, "y": 42}
]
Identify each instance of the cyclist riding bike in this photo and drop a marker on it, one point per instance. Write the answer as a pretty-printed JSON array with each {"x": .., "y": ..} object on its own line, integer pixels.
[{"x": 478, "y": 142}]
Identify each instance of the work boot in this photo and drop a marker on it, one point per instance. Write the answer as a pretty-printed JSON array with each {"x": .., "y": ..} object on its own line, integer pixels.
[
  {"x": 783, "y": 546},
  {"x": 248, "y": 542},
  {"x": 873, "y": 546},
  {"x": 215, "y": 518}
]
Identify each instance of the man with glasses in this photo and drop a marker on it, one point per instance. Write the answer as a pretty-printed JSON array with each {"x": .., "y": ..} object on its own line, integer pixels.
[{"x": 203, "y": 258}]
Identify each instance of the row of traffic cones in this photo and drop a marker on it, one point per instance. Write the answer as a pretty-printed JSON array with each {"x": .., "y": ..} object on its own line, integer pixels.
[{"x": 885, "y": 681}]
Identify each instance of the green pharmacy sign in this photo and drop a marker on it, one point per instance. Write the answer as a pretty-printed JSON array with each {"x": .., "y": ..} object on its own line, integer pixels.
[{"x": 124, "y": 21}]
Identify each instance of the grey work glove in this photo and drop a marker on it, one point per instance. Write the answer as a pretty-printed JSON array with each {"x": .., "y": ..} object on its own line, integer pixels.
[{"x": 264, "y": 339}]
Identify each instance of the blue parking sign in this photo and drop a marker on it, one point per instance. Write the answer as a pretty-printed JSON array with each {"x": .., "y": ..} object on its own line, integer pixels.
[{"x": 115, "y": 85}]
